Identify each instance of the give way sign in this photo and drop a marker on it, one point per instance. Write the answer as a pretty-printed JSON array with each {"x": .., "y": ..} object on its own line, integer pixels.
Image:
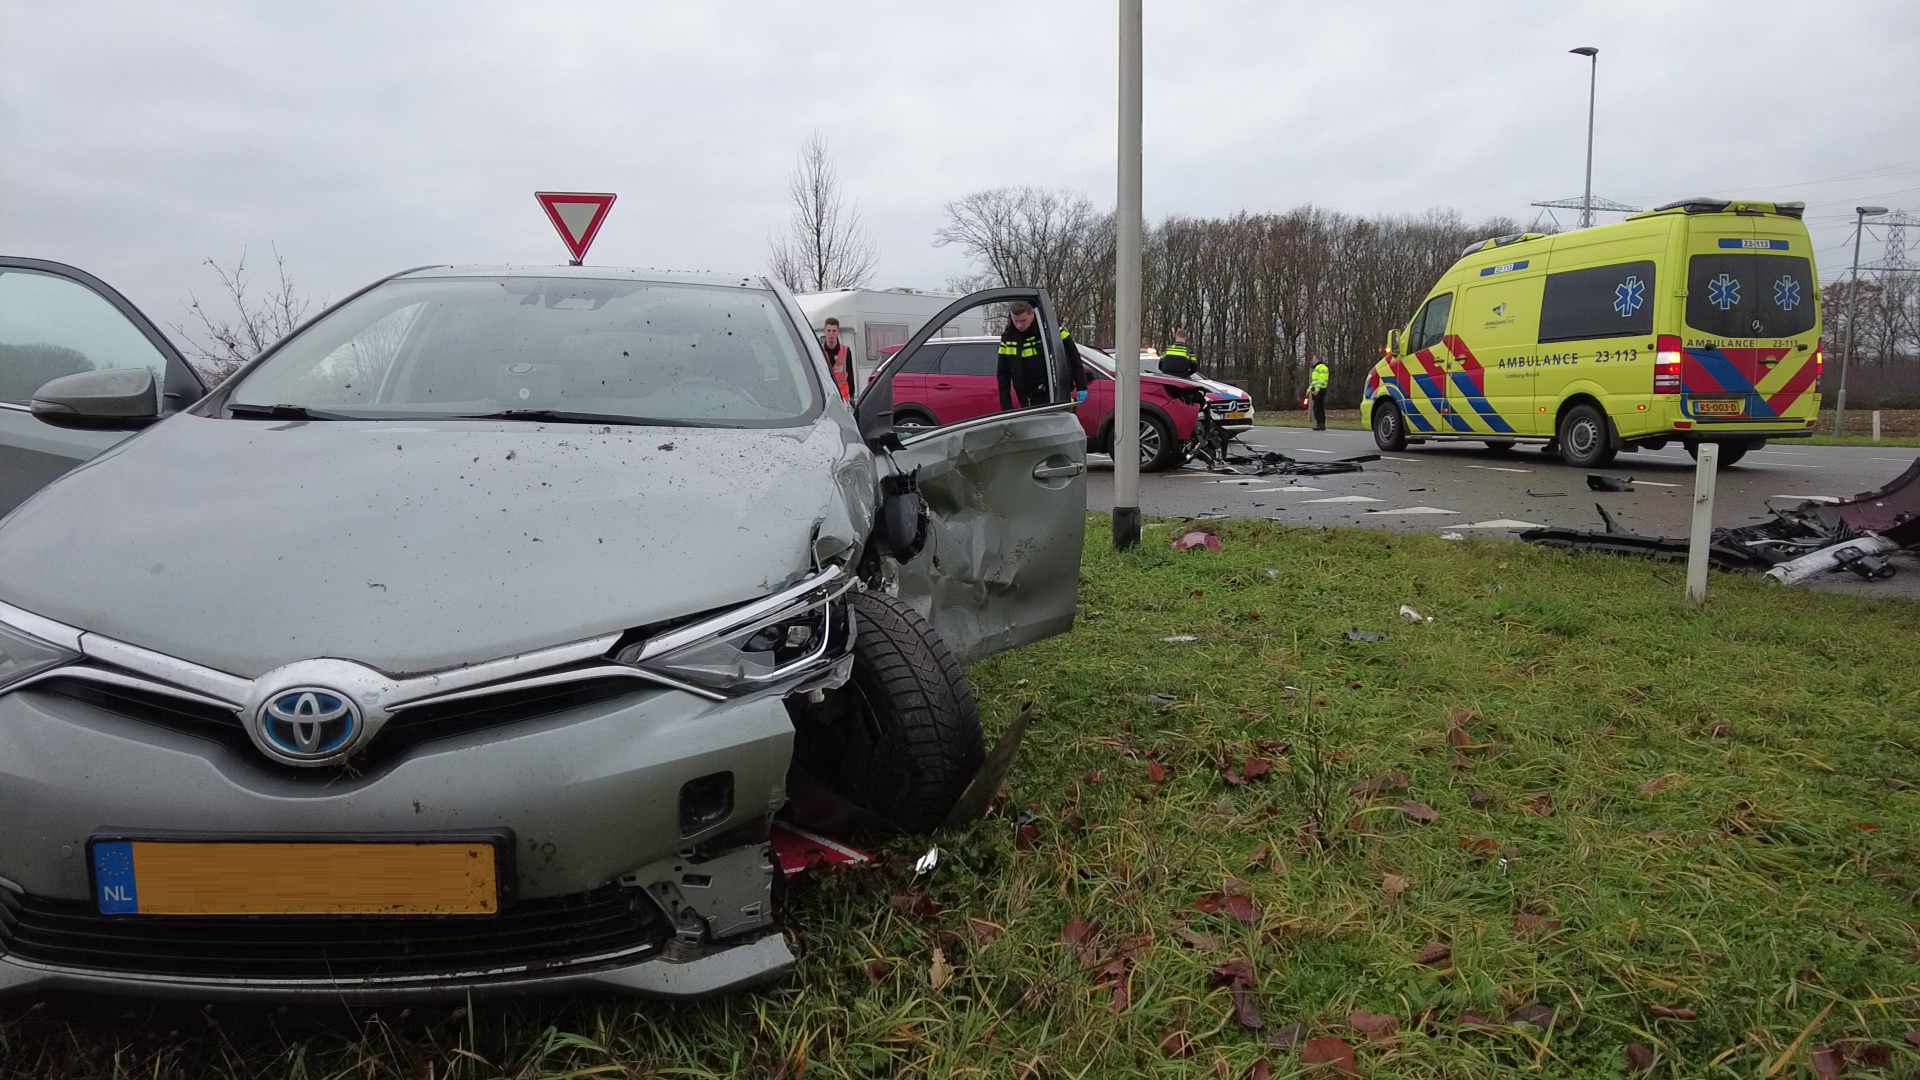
[{"x": 576, "y": 215}]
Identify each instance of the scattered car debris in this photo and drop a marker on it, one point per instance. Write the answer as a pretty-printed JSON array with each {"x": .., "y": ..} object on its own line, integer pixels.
[
  {"x": 1180, "y": 639},
  {"x": 799, "y": 849},
  {"x": 1194, "y": 538},
  {"x": 1357, "y": 634},
  {"x": 1597, "y": 482},
  {"x": 1453, "y": 536},
  {"x": 1274, "y": 463},
  {"x": 1413, "y": 616},
  {"x": 1814, "y": 537}
]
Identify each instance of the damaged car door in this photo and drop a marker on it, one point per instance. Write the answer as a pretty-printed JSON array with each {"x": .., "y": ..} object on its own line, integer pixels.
[{"x": 1005, "y": 493}]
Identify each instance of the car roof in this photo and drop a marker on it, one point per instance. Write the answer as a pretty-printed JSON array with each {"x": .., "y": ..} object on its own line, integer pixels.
[{"x": 592, "y": 273}]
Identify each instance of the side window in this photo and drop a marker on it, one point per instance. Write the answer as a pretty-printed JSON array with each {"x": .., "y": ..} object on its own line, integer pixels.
[
  {"x": 1431, "y": 324},
  {"x": 973, "y": 358},
  {"x": 884, "y": 335},
  {"x": 50, "y": 326},
  {"x": 1598, "y": 302},
  {"x": 924, "y": 362}
]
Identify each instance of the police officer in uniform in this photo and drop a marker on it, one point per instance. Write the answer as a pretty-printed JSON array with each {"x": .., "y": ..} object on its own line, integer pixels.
[
  {"x": 1177, "y": 361},
  {"x": 1317, "y": 389},
  {"x": 1022, "y": 371},
  {"x": 839, "y": 359}
]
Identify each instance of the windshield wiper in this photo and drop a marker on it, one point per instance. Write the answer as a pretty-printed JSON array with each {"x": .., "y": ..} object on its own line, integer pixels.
[
  {"x": 563, "y": 416},
  {"x": 279, "y": 412}
]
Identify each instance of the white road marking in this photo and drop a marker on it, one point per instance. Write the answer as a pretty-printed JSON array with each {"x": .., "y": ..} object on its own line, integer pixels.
[
  {"x": 1344, "y": 499},
  {"x": 1886, "y": 459},
  {"x": 1277, "y": 490},
  {"x": 1384, "y": 457},
  {"x": 1503, "y": 523},
  {"x": 1809, "y": 498},
  {"x": 1239, "y": 482},
  {"x": 1311, "y": 450},
  {"x": 1792, "y": 465},
  {"x": 1415, "y": 510},
  {"x": 1781, "y": 453},
  {"x": 1652, "y": 483},
  {"x": 1496, "y": 468}
]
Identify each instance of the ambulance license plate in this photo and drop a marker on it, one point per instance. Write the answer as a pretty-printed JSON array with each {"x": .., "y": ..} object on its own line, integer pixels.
[
  {"x": 1719, "y": 408},
  {"x": 173, "y": 877}
]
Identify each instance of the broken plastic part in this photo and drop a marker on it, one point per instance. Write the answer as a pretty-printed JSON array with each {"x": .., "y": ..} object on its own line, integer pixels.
[{"x": 1357, "y": 634}]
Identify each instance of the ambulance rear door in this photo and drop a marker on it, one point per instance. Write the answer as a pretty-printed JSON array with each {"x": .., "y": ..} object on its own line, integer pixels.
[{"x": 1752, "y": 322}]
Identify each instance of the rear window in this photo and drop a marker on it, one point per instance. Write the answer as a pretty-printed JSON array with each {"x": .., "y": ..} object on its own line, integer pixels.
[
  {"x": 1598, "y": 302},
  {"x": 973, "y": 358},
  {"x": 1742, "y": 296}
]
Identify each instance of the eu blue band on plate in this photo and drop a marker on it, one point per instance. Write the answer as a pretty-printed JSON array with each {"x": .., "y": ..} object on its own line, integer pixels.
[
  {"x": 113, "y": 877},
  {"x": 1743, "y": 243}
]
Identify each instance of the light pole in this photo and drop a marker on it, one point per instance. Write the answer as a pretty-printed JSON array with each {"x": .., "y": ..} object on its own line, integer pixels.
[
  {"x": 1593, "y": 82},
  {"x": 1861, "y": 214},
  {"x": 1126, "y": 296}
]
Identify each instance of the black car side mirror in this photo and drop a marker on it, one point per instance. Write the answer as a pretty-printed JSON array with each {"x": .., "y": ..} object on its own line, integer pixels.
[{"x": 117, "y": 399}]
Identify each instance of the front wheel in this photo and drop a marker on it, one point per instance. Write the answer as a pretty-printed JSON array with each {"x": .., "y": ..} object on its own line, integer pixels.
[
  {"x": 1389, "y": 428},
  {"x": 902, "y": 739},
  {"x": 1158, "y": 448},
  {"x": 1585, "y": 442}
]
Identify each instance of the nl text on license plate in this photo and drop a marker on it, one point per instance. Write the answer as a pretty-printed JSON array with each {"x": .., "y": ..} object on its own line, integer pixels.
[
  {"x": 173, "y": 877},
  {"x": 1719, "y": 408}
]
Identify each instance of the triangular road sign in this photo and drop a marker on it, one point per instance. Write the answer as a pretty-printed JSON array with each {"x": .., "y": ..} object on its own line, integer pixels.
[{"x": 576, "y": 215}]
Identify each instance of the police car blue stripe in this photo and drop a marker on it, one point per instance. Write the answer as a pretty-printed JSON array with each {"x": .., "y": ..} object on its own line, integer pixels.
[{"x": 1746, "y": 244}]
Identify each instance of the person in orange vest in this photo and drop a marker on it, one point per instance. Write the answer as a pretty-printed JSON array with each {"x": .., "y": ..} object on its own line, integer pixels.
[{"x": 839, "y": 359}]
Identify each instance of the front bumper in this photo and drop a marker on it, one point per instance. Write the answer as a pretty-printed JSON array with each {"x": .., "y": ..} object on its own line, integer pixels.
[
  {"x": 1218, "y": 412},
  {"x": 590, "y": 792}
]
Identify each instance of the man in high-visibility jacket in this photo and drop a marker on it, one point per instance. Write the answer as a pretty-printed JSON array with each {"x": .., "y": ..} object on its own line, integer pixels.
[
  {"x": 839, "y": 359},
  {"x": 1177, "y": 361},
  {"x": 1317, "y": 390}
]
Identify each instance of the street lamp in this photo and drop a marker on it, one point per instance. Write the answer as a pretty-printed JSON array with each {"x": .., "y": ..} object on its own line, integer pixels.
[
  {"x": 1593, "y": 81},
  {"x": 1126, "y": 289},
  {"x": 1861, "y": 214}
]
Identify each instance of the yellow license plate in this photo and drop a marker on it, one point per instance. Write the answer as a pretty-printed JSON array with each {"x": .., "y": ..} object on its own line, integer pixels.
[
  {"x": 1719, "y": 408},
  {"x": 1236, "y": 416},
  {"x": 168, "y": 877}
]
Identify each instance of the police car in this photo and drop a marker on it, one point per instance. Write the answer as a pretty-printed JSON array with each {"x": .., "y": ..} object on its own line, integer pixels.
[{"x": 1695, "y": 322}]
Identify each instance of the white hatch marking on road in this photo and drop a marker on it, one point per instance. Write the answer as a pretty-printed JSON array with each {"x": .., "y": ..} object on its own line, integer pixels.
[
  {"x": 1344, "y": 499},
  {"x": 1792, "y": 465},
  {"x": 1241, "y": 482},
  {"x": 1497, "y": 468},
  {"x": 1415, "y": 510},
  {"x": 1652, "y": 483},
  {"x": 1278, "y": 490},
  {"x": 1809, "y": 498},
  {"x": 1781, "y": 453},
  {"x": 1384, "y": 457},
  {"x": 1503, "y": 523},
  {"x": 1311, "y": 450},
  {"x": 1886, "y": 459}
]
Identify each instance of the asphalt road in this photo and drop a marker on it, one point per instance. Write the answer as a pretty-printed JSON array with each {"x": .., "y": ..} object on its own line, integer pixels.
[{"x": 1466, "y": 489}]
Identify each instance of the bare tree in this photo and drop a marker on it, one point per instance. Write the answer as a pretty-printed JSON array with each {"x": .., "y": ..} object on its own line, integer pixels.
[
  {"x": 221, "y": 344},
  {"x": 824, "y": 248},
  {"x": 1028, "y": 236}
]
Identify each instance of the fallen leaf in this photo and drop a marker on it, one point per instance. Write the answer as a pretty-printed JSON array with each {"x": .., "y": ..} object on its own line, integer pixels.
[
  {"x": 1459, "y": 716},
  {"x": 1479, "y": 843},
  {"x": 1874, "y": 1055},
  {"x": 1529, "y": 923},
  {"x": 984, "y": 931},
  {"x": 1243, "y": 908},
  {"x": 878, "y": 970},
  {"x": 1076, "y": 931},
  {"x": 919, "y": 905},
  {"x": 1254, "y": 768},
  {"x": 1393, "y": 883},
  {"x": 1458, "y": 738},
  {"x": 1232, "y": 777},
  {"x": 1380, "y": 785},
  {"x": 1459, "y": 762},
  {"x": 1718, "y": 729},
  {"x": 1210, "y": 903},
  {"x": 1543, "y": 804},
  {"x": 1540, "y": 1016},
  {"x": 1203, "y": 942},
  {"x": 1156, "y": 772},
  {"x": 1270, "y": 746},
  {"x": 1286, "y": 1037},
  {"x": 1657, "y": 784},
  {"x": 1473, "y": 1020},
  {"x": 1026, "y": 837},
  {"x": 1377, "y": 1027},
  {"x": 1331, "y": 1054},
  {"x": 1245, "y": 1008},
  {"x": 1674, "y": 1012},
  {"x": 1227, "y": 971},
  {"x": 1913, "y": 1039},
  {"x": 1435, "y": 954},
  {"x": 1866, "y": 826},
  {"x": 1259, "y": 855},
  {"x": 1827, "y": 1062},
  {"x": 941, "y": 973},
  {"x": 1259, "y": 1070},
  {"x": 1639, "y": 1058},
  {"x": 1094, "y": 776},
  {"x": 1177, "y": 1043},
  {"x": 1235, "y": 886},
  {"x": 1420, "y": 811},
  {"x": 1196, "y": 594}
]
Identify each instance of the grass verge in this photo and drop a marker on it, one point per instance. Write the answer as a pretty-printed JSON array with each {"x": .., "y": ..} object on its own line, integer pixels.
[{"x": 1685, "y": 828}]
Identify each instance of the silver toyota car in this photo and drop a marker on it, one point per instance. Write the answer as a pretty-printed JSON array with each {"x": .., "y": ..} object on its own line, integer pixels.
[{"x": 470, "y": 639}]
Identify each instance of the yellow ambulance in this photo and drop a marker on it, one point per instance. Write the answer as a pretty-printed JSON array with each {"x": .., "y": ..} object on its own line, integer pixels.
[{"x": 1695, "y": 322}]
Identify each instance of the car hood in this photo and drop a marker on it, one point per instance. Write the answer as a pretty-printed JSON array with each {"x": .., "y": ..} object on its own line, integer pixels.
[
  {"x": 413, "y": 547},
  {"x": 1226, "y": 389}
]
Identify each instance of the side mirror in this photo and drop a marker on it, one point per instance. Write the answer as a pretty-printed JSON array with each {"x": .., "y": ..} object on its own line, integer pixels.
[
  {"x": 1393, "y": 342},
  {"x": 118, "y": 399}
]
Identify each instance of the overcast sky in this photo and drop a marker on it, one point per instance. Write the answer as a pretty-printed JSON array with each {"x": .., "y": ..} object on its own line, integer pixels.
[{"x": 139, "y": 138}]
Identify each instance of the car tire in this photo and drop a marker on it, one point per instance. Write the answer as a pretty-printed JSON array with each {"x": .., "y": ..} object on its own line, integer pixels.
[
  {"x": 1585, "y": 440},
  {"x": 1730, "y": 453},
  {"x": 1158, "y": 448},
  {"x": 912, "y": 421},
  {"x": 1389, "y": 427},
  {"x": 902, "y": 739}
]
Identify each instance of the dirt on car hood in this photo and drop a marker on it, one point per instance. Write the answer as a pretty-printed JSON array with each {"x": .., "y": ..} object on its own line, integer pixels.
[{"x": 411, "y": 547}]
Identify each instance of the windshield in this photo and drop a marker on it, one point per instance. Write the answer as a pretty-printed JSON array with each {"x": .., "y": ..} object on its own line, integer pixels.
[{"x": 543, "y": 348}]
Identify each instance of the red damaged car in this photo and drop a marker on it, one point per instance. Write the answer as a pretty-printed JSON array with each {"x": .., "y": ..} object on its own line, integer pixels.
[{"x": 953, "y": 379}]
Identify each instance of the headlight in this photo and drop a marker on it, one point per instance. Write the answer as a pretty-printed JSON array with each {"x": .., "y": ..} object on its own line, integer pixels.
[
  {"x": 761, "y": 645},
  {"x": 22, "y": 656}
]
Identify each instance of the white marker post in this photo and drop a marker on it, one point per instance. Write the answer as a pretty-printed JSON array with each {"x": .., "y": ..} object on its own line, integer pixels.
[
  {"x": 1704, "y": 471},
  {"x": 1876, "y": 425}
]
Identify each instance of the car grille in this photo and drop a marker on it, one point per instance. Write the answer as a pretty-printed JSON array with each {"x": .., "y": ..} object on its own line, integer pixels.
[{"x": 583, "y": 930}]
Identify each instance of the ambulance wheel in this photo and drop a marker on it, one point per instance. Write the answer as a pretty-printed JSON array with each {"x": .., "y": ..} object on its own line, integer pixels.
[
  {"x": 1389, "y": 429},
  {"x": 1585, "y": 442},
  {"x": 1499, "y": 446},
  {"x": 1730, "y": 452},
  {"x": 902, "y": 739}
]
